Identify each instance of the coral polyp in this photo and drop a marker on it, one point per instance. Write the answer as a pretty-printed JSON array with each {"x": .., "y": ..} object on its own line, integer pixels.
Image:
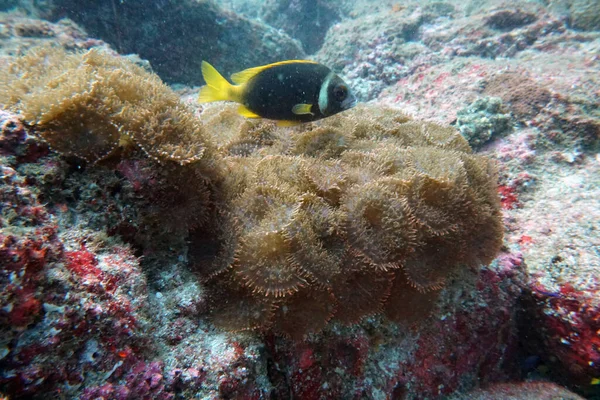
[{"x": 263, "y": 263}]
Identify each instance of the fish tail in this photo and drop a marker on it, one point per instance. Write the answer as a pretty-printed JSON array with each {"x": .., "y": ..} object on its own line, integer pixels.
[{"x": 217, "y": 88}]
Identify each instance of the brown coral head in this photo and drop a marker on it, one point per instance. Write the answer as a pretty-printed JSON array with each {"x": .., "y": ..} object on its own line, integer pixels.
[
  {"x": 92, "y": 134},
  {"x": 84, "y": 104},
  {"x": 361, "y": 213},
  {"x": 373, "y": 212}
]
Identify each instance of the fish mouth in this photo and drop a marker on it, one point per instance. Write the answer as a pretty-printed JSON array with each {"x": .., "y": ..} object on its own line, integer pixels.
[{"x": 349, "y": 102}]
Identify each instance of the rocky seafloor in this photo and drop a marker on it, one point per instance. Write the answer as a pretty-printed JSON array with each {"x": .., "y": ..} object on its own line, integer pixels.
[{"x": 98, "y": 294}]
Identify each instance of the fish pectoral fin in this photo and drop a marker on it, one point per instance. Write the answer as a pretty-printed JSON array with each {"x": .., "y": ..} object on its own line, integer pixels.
[
  {"x": 302, "y": 109},
  {"x": 284, "y": 123},
  {"x": 244, "y": 112}
]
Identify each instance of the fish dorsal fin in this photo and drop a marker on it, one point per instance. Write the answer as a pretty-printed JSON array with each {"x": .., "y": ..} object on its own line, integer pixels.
[
  {"x": 301, "y": 109},
  {"x": 244, "y": 112},
  {"x": 247, "y": 74}
]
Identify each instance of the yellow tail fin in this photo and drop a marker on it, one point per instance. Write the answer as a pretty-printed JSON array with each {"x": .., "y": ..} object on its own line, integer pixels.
[{"x": 217, "y": 88}]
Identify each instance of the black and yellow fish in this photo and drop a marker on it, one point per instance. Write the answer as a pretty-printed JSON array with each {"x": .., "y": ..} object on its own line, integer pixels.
[{"x": 291, "y": 91}]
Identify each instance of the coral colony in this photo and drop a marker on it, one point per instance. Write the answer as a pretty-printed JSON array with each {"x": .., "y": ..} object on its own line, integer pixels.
[{"x": 368, "y": 212}]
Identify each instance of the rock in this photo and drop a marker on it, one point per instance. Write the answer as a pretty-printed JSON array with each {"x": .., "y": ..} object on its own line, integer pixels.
[
  {"x": 305, "y": 20},
  {"x": 176, "y": 36},
  {"x": 510, "y": 19},
  {"x": 482, "y": 120},
  {"x": 582, "y": 15},
  {"x": 521, "y": 391}
]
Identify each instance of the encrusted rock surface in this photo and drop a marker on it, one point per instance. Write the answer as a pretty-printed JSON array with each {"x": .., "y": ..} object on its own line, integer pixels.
[{"x": 101, "y": 292}]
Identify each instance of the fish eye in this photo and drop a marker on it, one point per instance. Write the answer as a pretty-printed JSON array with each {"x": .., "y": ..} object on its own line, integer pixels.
[{"x": 340, "y": 92}]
